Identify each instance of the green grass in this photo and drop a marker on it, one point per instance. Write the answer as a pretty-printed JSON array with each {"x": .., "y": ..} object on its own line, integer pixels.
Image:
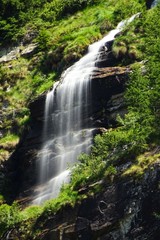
[
  {"x": 69, "y": 39},
  {"x": 9, "y": 138},
  {"x": 7, "y": 145},
  {"x": 60, "y": 44},
  {"x": 142, "y": 163},
  {"x": 128, "y": 46}
]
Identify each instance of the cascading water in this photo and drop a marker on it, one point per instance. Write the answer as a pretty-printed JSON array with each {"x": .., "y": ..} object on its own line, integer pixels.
[
  {"x": 155, "y": 2},
  {"x": 67, "y": 131}
]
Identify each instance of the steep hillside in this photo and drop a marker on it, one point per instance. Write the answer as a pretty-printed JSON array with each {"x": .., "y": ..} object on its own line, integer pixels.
[{"x": 109, "y": 191}]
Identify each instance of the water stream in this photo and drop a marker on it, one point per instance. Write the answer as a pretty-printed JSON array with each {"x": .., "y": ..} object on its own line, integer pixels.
[
  {"x": 155, "y": 2},
  {"x": 67, "y": 131}
]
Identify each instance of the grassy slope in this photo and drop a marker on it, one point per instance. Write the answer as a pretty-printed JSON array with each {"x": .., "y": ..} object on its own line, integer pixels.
[
  {"x": 60, "y": 44},
  {"x": 63, "y": 34}
]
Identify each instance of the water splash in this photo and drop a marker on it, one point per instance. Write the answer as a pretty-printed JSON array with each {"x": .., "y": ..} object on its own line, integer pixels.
[{"x": 67, "y": 131}]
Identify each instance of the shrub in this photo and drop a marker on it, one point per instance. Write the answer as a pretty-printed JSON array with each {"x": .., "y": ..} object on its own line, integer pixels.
[
  {"x": 125, "y": 8},
  {"x": 119, "y": 51},
  {"x": 9, "y": 217}
]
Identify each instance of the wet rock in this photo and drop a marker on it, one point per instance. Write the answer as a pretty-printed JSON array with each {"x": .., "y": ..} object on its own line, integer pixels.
[
  {"x": 28, "y": 50},
  {"x": 9, "y": 54},
  {"x": 83, "y": 229},
  {"x": 125, "y": 210}
]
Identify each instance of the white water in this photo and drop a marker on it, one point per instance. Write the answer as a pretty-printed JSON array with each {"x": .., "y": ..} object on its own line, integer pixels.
[
  {"x": 66, "y": 133},
  {"x": 155, "y": 2}
]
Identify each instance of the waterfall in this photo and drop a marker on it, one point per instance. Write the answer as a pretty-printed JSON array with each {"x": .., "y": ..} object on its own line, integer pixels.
[
  {"x": 155, "y": 2},
  {"x": 67, "y": 130}
]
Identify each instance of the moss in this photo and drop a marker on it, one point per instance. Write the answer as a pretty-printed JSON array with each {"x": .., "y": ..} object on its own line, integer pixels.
[
  {"x": 120, "y": 51},
  {"x": 9, "y": 141},
  {"x": 142, "y": 163},
  {"x": 4, "y": 154},
  {"x": 134, "y": 53},
  {"x": 2, "y": 200}
]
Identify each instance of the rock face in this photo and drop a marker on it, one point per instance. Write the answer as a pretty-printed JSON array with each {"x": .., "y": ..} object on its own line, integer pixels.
[
  {"x": 21, "y": 167},
  {"x": 9, "y": 54},
  {"x": 126, "y": 209}
]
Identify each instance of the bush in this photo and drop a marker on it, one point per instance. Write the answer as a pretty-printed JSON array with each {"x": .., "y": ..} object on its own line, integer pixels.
[
  {"x": 9, "y": 217},
  {"x": 125, "y": 8}
]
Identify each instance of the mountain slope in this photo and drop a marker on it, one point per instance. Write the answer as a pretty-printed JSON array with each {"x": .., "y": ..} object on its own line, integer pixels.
[{"x": 130, "y": 147}]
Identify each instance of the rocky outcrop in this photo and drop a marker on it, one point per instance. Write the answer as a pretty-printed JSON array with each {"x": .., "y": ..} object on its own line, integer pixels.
[
  {"x": 126, "y": 209},
  {"x": 12, "y": 53},
  {"x": 108, "y": 86}
]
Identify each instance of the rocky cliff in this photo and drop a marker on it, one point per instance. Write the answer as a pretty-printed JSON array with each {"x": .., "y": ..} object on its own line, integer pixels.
[{"x": 126, "y": 209}]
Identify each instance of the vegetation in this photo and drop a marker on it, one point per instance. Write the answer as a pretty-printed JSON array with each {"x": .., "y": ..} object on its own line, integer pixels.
[
  {"x": 8, "y": 217},
  {"x": 139, "y": 130},
  {"x": 11, "y": 217},
  {"x": 7, "y": 145},
  {"x": 59, "y": 45},
  {"x": 63, "y": 30},
  {"x": 15, "y": 14},
  {"x": 142, "y": 163}
]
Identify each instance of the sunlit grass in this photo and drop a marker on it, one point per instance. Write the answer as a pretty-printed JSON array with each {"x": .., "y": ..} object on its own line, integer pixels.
[
  {"x": 142, "y": 163},
  {"x": 10, "y": 140},
  {"x": 4, "y": 154}
]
